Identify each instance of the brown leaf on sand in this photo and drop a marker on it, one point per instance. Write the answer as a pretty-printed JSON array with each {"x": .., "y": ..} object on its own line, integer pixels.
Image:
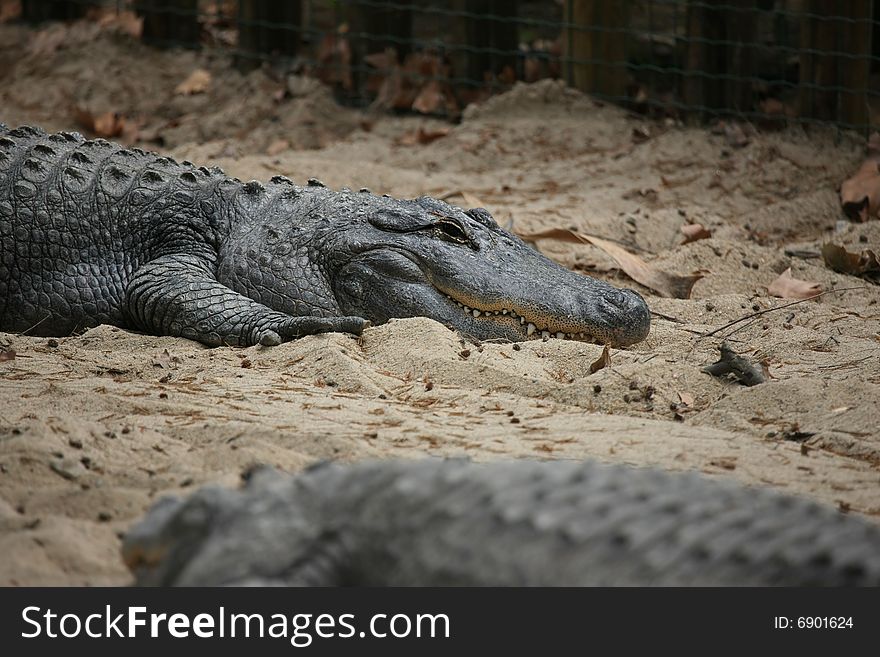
[
  {"x": 129, "y": 23},
  {"x": 686, "y": 398},
  {"x": 277, "y": 146},
  {"x": 46, "y": 41},
  {"x": 787, "y": 287},
  {"x": 9, "y": 10},
  {"x": 473, "y": 201},
  {"x": 694, "y": 232},
  {"x": 430, "y": 98},
  {"x": 874, "y": 145},
  {"x": 860, "y": 194},
  {"x": 196, "y": 83},
  {"x": 602, "y": 362},
  {"x": 382, "y": 60},
  {"x": 8, "y": 354},
  {"x": 423, "y": 136},
  {"x": 108, "y": 124},
  {"x": 865, "y": 264},
  {"x": 735, "y": 135},
  {"x": 111, "y": 19},
  {"x": 388, "y": 81},
  {"x": 664, "y": 283},
  {"x": 334, "y": 59}
]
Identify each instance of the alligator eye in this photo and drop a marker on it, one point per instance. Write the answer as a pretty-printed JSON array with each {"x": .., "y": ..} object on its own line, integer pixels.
[{"x": 452, "y": 231}]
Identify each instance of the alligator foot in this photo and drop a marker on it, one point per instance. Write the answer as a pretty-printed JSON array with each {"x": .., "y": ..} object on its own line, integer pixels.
[{"x": 297, "y": 327}]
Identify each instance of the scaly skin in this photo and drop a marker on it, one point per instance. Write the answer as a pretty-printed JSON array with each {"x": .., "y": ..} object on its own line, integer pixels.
[
  {"x": 91, "y": 233},
  {"x": 436, "y": 522}
]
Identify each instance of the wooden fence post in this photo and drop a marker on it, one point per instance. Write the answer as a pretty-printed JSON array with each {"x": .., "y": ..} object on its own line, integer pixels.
[
  {"x": 37, "y": 11},
  {"x": 496, "y": 41},
  {"x": 835, "y": 63},
  {"x": 267, "y": 28},
  {"x": 720, "y": 59},
  {"x": 855, "y": 71},
  {"x": 170, "y": 23},
  {"x": 596, "y": 46}
]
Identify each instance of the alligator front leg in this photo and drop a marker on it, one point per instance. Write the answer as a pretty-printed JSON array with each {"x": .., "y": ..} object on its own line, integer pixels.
[{"x": 179, "y": 295}]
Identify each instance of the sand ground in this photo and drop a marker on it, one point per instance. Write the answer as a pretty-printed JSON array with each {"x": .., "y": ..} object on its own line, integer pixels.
[{"x": 94, "y": 427}]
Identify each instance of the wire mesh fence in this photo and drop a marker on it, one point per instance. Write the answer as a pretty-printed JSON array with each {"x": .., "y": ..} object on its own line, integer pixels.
[{"x": 767, "y": 61}]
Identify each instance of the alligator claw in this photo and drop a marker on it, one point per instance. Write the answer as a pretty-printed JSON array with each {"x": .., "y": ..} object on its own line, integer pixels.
[{"x": 270, "y": 339}]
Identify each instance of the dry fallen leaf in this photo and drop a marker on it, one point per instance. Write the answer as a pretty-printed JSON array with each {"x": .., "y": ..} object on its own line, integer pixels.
[
  {"x": 772, "y": 107},
  {"x": 860, "y": 194},
  {"x": 46, "y": 41},
  {"x": 865, "y": 264},
  {"x": 382, "y": 60},
  {"x": 277, "y": 146},
  {"x": 665, "y": 284},
  {"x": 126, "y": 22},
  {"x": 472, "y": 201},
  {"x": 430, "y": 98},
  {"x": 788, "y": 287},
  {"x": 735, "y": 135},
  {"x": 197, "y": 83},
  {"x": 686, "y": 398},
  {"x": 602, "y": 362},
  {"x": 8, "y": 354},
  {"x": 694, "y": 232},
  {"x": 334, "y": 59},
  {"x": 108, "y": 124},
  {"x": 423, "y": 136},
  {"x": 9, "y": 10}
]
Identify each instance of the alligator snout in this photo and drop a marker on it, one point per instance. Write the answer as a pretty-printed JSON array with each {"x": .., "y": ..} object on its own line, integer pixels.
[{"x": 626, "y": 314}]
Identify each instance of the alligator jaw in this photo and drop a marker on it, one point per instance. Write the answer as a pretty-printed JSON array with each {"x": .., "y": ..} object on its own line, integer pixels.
[
  {"x": 531, "y": 330},
  {"x": 506, "y": 292}
]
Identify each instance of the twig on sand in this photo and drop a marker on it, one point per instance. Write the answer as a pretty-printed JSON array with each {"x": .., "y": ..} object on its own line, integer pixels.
[
  {"x": 785, "y": 305},
  {"x": 668, "y": 318}
]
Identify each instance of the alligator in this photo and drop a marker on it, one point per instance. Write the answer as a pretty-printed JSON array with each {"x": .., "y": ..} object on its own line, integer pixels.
[
  {"x": 453, "y": 522},
  {"x": 92, "y": 232}
]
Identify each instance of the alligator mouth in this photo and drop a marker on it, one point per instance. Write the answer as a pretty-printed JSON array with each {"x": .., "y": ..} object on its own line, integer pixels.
[{"x": 532, "y": 329}]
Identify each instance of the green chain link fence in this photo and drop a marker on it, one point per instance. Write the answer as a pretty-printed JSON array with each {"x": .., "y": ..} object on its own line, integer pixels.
[{"x": 770, "y": 62}]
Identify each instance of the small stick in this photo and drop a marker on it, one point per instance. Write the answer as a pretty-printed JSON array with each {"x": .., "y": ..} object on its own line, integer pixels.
[
  {"x": 668, "y": 318},
  {"x": 785, "y": 305},
  {"x": 27, "y": 330}
]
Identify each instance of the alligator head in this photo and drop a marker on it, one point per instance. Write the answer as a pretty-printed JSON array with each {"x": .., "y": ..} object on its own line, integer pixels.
[{"x": 426, "y": 258}]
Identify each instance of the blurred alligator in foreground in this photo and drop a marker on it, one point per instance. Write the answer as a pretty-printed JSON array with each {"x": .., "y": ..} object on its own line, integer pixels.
[
  {"x": 436, "y": 522},
  {"x": 92, "y": 232}
]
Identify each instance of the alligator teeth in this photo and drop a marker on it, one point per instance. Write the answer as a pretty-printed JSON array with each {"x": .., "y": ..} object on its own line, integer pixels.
[{"x": 531, "y": 328}]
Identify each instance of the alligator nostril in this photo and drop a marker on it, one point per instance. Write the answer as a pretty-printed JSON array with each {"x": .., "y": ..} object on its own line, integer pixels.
[
  {"x": 628, "y": 299},
  {"x": 616, "y": 300}
]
